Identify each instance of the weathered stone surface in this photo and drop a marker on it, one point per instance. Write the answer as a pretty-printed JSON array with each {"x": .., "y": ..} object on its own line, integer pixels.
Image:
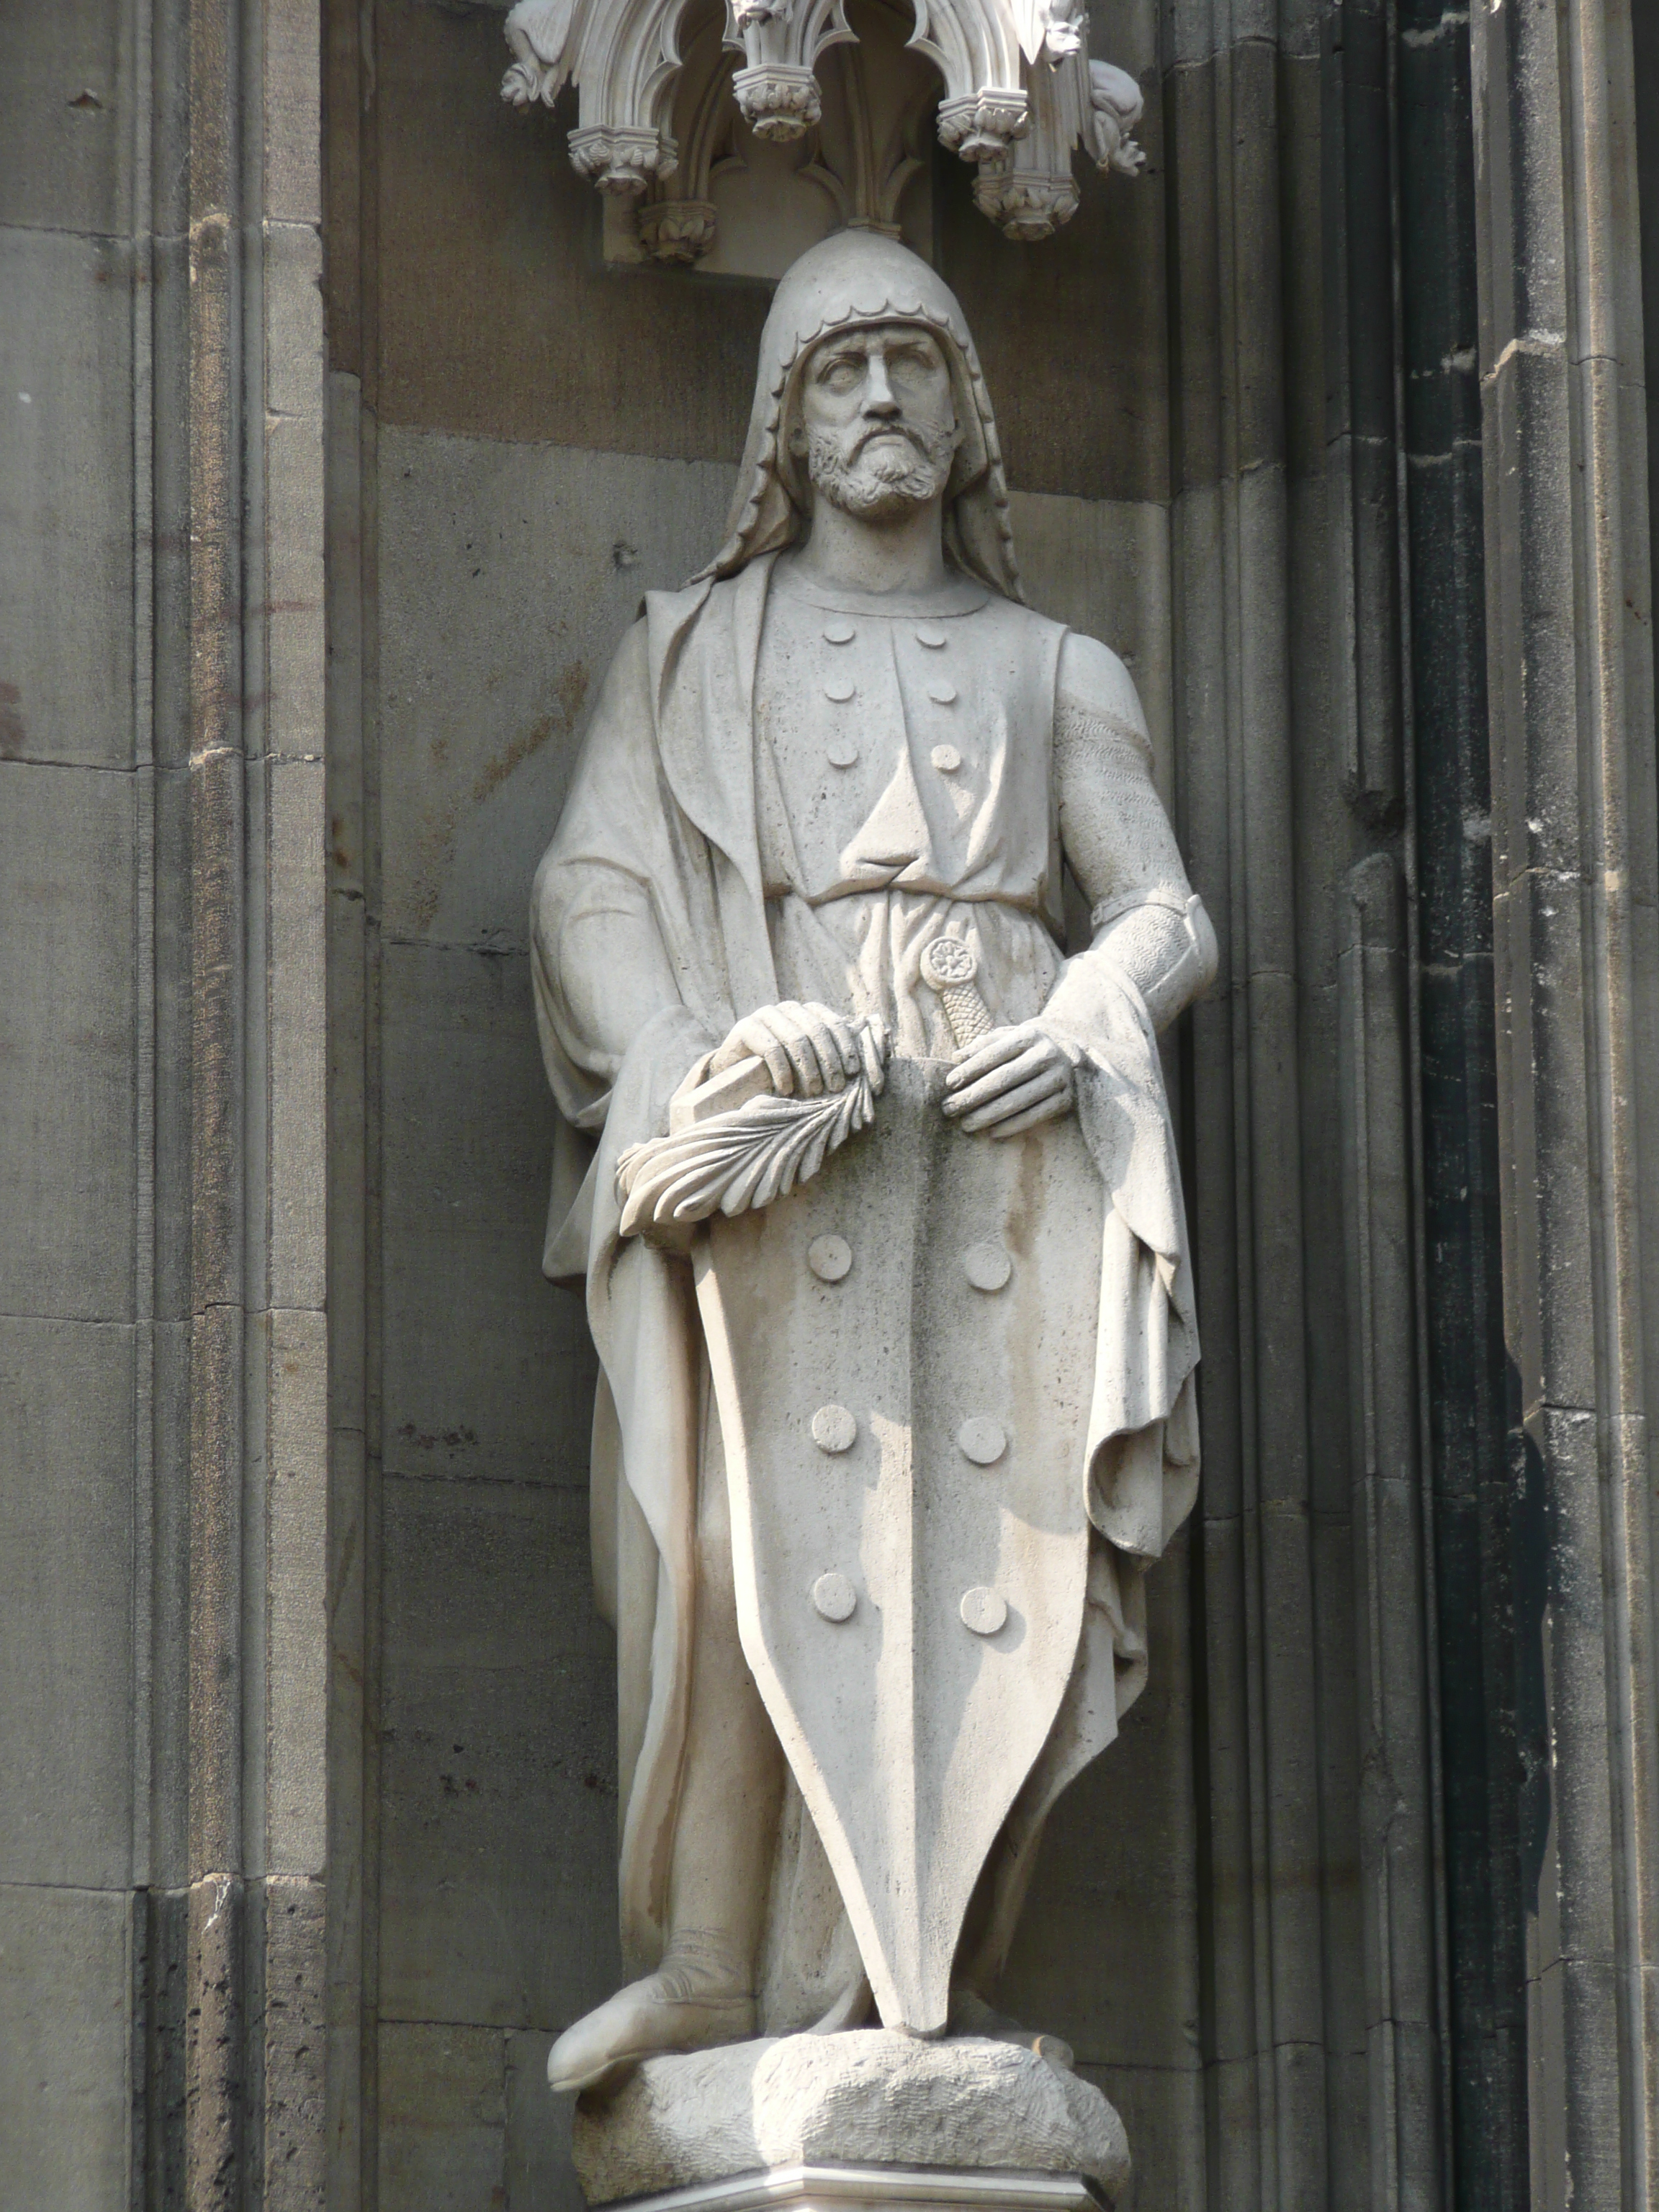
[
  {"x": 1089, "y": 419},
  {"x": 539, "y": 2173},
  {"x": 296, "y": 1652},
  {"x": 465, "y": 1201},
  {"x": 868, "y": 2097},
  {"x": 66, "y": 496},
  {"x": 66, "y": 1558},
  {"x": 1164, "y": 2118},
  {"x": 507, "y": 576},
  {"x": 1117, "y": 1881},
  {"x": 63, "y": 118},
  {"x": 498, "y": 1759},
  {"x": 67, "y": 868},
  {"x": 65, "y": 2002},
  {"x": 293, "y": 102},
  {"x": 297, "y": 1030},
  {"x": 1103, "y": 566},
  {"x": 442, "y": 2117},
  {"x": 466, "y": 342},
  {"x": 295, "y": 2130},
  {"x": 293, "y": 702}
]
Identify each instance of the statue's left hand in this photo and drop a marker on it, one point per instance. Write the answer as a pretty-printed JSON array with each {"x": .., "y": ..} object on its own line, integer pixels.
[{"x": 1011, "y": 1080}]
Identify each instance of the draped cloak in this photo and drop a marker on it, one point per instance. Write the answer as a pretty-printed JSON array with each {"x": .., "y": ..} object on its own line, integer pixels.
[{"x": 657, "y": 857}]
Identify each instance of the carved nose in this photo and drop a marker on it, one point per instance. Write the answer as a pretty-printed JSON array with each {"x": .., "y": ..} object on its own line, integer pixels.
[{"x": 878, "y": 398}]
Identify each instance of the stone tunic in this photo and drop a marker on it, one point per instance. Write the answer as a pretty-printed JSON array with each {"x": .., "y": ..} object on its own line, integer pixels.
[
  {"x": 903, "y": 793},
  {"x": 907, "y": 787}
]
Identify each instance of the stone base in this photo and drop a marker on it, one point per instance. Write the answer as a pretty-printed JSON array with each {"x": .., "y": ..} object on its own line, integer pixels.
[
  {"x": 879, "y": 2188},
  {"x": 867, "y": 2116}
]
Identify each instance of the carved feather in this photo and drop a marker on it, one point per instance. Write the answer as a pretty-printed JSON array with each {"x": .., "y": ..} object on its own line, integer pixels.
[{"x": 735, "y": 1161}]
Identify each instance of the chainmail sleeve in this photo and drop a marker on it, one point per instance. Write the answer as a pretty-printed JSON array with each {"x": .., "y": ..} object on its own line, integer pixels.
[{"x": 1117, "y": 837}]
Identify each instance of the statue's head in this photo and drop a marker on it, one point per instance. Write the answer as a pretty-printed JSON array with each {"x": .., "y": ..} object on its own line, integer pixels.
[
  {"x": 869, "y": 395},
  {"x": 873, "y": 416}
]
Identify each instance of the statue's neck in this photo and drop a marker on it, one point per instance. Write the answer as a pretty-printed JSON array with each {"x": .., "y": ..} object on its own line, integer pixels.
[{"x": 848, "y": 553}]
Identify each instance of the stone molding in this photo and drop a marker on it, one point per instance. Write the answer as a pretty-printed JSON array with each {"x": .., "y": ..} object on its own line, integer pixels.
[
  {"x": 808, "y": 2188},
  {"x": 1574, "y": 839}
]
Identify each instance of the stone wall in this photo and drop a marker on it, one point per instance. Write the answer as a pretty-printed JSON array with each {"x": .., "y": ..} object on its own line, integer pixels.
[
  {"x": 163, "y": 1626},
  {"x": 73, "y": 1342}
]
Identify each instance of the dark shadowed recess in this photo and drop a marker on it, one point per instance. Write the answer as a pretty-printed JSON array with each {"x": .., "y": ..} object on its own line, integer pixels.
[{"x": 1477, "y": 1523}]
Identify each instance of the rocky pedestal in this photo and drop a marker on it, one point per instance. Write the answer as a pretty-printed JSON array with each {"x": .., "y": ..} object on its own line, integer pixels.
[{"x": 866, "y": 2118}]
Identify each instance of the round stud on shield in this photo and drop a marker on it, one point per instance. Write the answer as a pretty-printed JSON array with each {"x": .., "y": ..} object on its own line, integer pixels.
[
  {"x": 834, "y": 1429},
  {"x": 982, "y": 1610},
  {"x": 834, "y": 1597},
  {"x": 829, "y": 1258},
  {"x": 987, "y": 1266},
  {"x": 982, "y": 1440}
]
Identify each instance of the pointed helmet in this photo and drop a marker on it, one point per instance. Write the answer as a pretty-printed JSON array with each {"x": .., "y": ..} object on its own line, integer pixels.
[{"x": 855, "y": 279}]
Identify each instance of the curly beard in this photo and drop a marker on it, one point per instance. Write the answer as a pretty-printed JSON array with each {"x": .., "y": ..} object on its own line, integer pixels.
[{"x": 904, "y": 470}]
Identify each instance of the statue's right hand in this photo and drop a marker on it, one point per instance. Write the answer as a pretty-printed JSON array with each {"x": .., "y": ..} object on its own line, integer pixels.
[{"x": 808, "y": 1048}]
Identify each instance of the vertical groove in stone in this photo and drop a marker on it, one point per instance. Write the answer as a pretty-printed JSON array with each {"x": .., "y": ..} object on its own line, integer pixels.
[
  {"x": 347, "y": 2008},
  {"x": 1263, "y": 2028},
  {"x": 1361, "y": 455},
  {"x": 351, "y": 170},
  {"x": 1397, "y": 1817},
  {"x": 1612, "y": 532},
  {"x": 1474, "y": 1532},
  {"x": 1568, "y": 607},
  {"x": 1227, "y": 2020},
  {"x": 214, "y": 2056},
  {"x": 1396, "y": 1713}
]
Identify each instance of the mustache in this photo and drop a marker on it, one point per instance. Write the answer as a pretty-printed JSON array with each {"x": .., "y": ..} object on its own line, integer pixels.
[{"x": 887, "y": 430}]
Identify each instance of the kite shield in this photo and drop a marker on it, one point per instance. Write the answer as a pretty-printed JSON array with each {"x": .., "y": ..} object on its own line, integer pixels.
[{"x": 903, "y": 1356}]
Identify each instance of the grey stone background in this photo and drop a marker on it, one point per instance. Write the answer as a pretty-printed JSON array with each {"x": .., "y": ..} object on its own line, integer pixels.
[{"x": 163, "y": 1379}]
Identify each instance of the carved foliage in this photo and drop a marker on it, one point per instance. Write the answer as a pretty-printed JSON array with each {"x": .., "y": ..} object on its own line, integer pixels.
[
  {"x": 1019, "y": 94},
  {"x": 738, "y": 1160}
]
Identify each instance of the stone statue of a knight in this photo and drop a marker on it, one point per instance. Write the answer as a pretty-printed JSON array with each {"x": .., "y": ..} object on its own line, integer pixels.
[{"x": 871, "y": 1180}]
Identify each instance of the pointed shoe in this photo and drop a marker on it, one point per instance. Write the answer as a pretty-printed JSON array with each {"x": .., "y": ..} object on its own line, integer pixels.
[{"x": 643, "y": 2021}]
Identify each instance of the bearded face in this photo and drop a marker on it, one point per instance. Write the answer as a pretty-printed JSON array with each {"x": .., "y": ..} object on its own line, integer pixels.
[{"x": 877, "y": 425}]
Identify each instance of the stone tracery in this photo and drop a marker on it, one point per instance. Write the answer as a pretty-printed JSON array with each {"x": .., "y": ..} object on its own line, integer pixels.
[{"x": 1019, "y": 96}]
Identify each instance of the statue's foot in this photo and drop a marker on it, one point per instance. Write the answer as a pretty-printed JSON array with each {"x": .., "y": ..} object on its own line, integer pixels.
[
  {"x": 669, "y": 2010},
  {"x": 971, "y": 2015}
]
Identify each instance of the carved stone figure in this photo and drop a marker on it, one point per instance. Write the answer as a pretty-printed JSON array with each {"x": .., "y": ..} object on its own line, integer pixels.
[{"x": 875, "y": 1196}]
